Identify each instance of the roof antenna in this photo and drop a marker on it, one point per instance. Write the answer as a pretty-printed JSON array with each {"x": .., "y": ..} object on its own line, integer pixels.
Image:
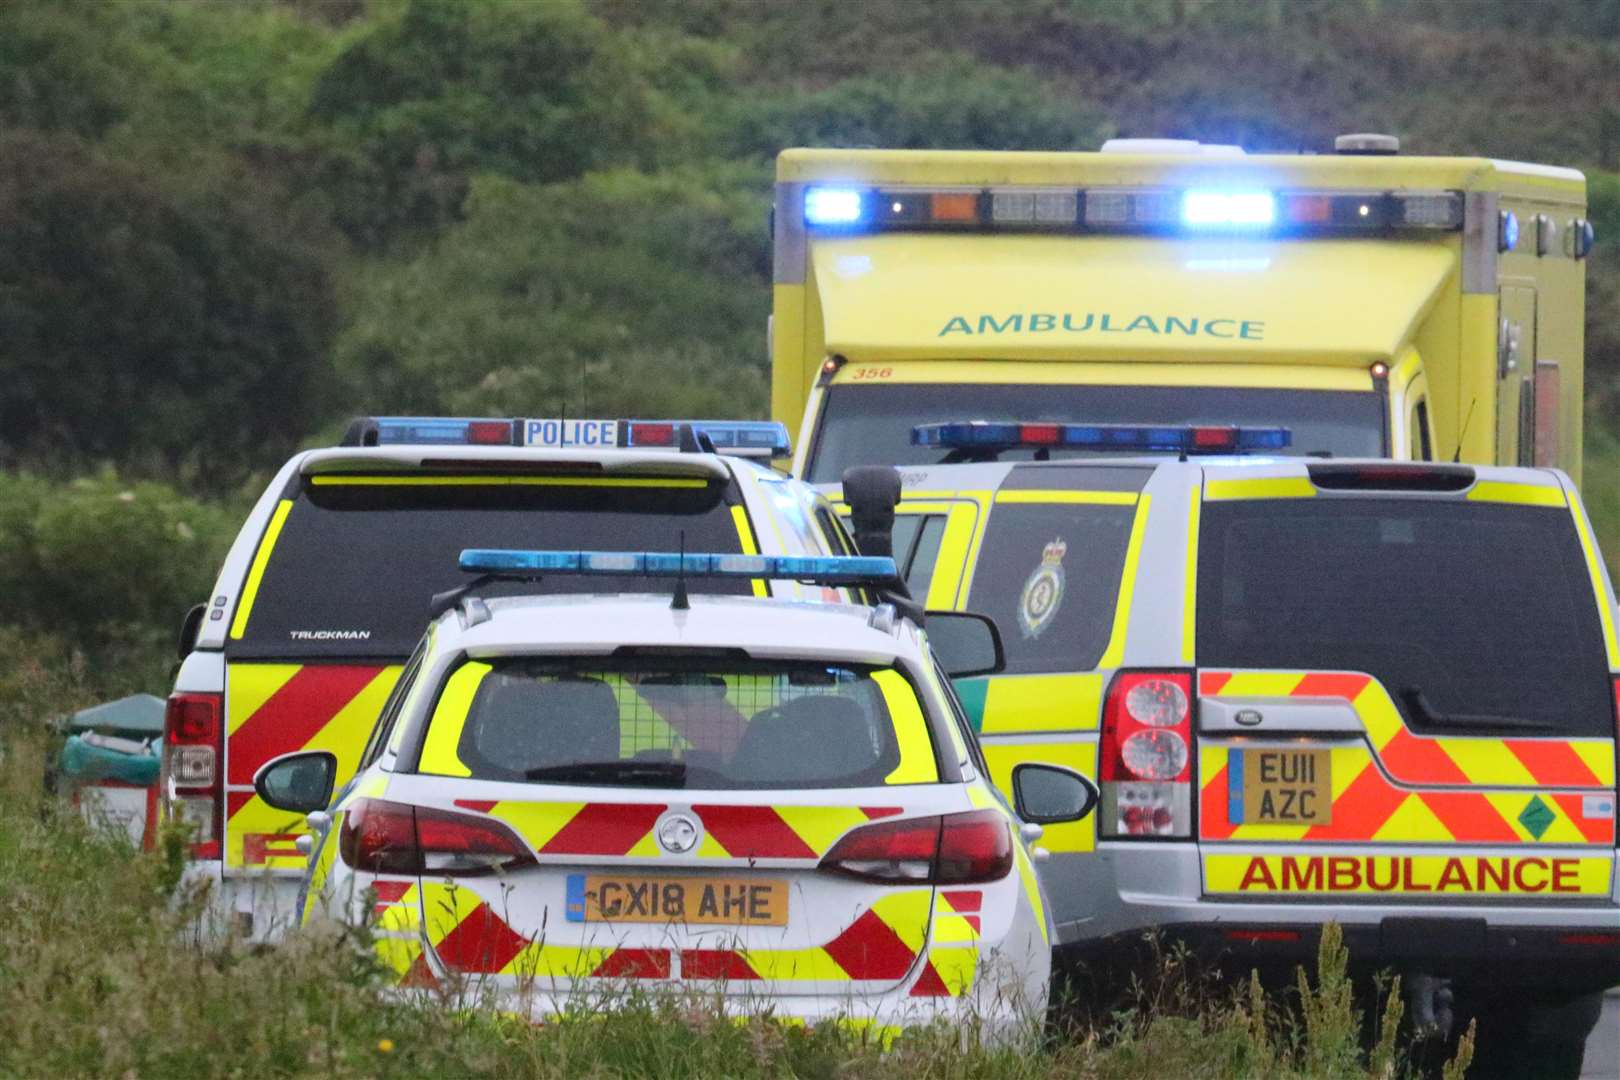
[
  {"x": 680, "y": 602},
  {"x": 1457, "y": 457}
]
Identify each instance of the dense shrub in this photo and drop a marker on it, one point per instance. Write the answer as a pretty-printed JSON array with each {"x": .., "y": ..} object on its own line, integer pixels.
[
  {"x": 96, "y": 557},
  {"x": 946, "y": 102},
  {"x": 148, "y": 323},
  {"x": 446, "y": 88},
  {"x": 618, "y": 293}
]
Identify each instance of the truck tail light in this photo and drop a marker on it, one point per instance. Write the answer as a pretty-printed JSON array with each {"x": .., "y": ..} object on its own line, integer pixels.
[
  {"x": 382, "y": 837},
  {"x": 1146, "y": 755},
  {"x": 190, "y": 780},
  {"x": 956, "y": 849}
]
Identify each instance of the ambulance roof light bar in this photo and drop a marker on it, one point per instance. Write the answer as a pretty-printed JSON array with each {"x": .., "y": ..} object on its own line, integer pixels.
[
  {"x": 742, "y": 438},
  {"x": 865, "y": 570},
  {"x": 1241, "y": 209},
  {"x": 992, "y": 436}
]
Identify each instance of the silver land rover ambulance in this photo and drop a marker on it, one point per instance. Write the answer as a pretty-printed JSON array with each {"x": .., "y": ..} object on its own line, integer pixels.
[{"x": 1376, "y": 693}]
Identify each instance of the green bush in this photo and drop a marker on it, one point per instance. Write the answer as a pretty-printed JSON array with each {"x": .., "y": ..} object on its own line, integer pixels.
[
  {"x": 619, "y": 293},
  {"x": 99, "y": 561},
  {"x": 149, "y": 323},
  {"x": 438, "y": 90},
  {"x": 947, "y": 102}
]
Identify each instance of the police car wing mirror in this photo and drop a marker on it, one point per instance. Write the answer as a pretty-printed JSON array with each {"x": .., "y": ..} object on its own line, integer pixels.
[
  {"x": 872, "y": 492},
  {"x": 965, "y": 644},
  {"x": 1051, "y": 794},
  {"x": 190, "y": 627},
  {"x": 299, "y": 783}
]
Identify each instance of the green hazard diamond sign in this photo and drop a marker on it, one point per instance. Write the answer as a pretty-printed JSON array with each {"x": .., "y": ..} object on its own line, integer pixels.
[{"x": 1536, "y": 817}]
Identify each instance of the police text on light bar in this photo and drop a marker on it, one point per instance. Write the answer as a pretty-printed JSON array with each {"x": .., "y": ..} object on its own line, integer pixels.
[
  {"x": 1203, "y": 438},
  {"x": 819, "y": 569}
]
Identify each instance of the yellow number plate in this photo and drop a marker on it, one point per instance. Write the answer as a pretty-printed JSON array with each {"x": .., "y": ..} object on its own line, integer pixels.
[
  {"x": 1280, "y": 787},
  {"x": 641, "y": 898}
]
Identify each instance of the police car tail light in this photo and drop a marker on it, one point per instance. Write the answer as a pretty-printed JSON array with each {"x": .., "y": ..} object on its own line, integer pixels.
[
  {"x": 463, "y": 845},
  {"x": 191, "y": 781},
  {"x": 956, "y": 849},
  {"x": 975, "y": 846},
  {"x": 382, "y": 837},
  {"x": 1146, "y": 755}
]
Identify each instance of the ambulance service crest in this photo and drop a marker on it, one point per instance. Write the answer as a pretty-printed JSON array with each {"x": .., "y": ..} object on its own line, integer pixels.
[{"x": 1043, "y": 591}]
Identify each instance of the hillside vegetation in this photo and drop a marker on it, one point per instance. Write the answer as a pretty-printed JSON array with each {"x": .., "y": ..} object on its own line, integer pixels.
[{"x": 228, "y": 226}]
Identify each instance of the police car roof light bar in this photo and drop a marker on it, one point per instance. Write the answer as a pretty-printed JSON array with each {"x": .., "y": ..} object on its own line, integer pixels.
[
  {"x": 741, "y": 438},
  {"x": 875, "y": 572},
  {"x": 992, "y": 436}
]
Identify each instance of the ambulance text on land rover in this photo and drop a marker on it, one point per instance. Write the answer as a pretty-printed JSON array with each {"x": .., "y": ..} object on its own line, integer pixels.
[{"x": 1377, "y": 305}]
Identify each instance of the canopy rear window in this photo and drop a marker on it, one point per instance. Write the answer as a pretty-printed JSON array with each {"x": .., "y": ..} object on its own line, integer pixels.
[
  {"x": 1049, "y": 575},
  {"x": 871, "y": 425},
  {"x": 356, "y": 562},
  {"x": 1478, "y": 618},
  {"x": 673, "y": 723}
]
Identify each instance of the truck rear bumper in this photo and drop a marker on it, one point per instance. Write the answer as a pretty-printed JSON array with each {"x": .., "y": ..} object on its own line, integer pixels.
[{"x": 260, "y": 907}]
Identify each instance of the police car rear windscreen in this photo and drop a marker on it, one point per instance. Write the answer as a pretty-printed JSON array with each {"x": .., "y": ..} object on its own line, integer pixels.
[
  {"x": 871, "y": 425},
  {"x": 356, "y": 562},
  {"x": 1477, "y": 618}
]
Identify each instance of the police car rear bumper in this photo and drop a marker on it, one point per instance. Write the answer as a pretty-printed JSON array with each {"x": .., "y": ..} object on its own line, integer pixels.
[{"x": 1122, "y": 892}]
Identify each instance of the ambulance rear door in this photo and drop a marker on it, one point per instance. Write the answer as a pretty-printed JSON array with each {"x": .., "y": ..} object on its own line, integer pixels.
[{"x": 1405, "y": 690}]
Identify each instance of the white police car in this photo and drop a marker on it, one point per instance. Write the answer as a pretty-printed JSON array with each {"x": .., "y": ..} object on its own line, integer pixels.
[
  {"x": 775, "y": 802},
  {"x": 323, "y": 594}
]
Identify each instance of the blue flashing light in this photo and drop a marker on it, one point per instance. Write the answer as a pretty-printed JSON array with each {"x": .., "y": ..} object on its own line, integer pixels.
[
  {"x": 1507, "y": 231},
  {"x": 833, "y": 206},
  {"x": 1038, "y": 435},
  {"x": 747, "y": 438},
  {"x": 819, "y": 569},
  {"x": 1228, "y": 209}
]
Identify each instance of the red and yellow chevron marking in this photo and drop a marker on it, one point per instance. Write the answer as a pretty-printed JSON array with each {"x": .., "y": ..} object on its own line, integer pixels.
[
  {"x": 274, "y": 709},
  {"x": 626, "y": 829},
  {"x": 1368, "y": 808},
  {"x": 953, "y": 945},
  {"x": 397, "y": 930},
  {"x": 470, "y": 937},
  {"x": 1447, "y": 761}
]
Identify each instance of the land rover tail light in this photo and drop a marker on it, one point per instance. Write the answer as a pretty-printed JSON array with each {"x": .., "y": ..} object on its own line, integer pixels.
[
  {"x": 191, "y": 782},
  {"x": 1146, "y": 755}
]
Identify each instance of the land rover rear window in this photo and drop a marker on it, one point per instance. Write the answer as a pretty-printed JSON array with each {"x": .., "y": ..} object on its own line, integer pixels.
[
  {"x": 354, "y": 565},
  {"x": 1049, "y": 575},
  {"x": 871, "y": 425},
  {"x": 1478, "y": 618}
]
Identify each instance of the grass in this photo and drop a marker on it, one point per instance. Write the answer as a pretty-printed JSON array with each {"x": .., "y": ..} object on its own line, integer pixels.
[{"x": 96, "y": 979}]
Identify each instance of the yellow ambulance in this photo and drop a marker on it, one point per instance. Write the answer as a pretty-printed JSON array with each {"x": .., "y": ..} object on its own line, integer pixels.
[{"x": 1375, "y": 304}]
